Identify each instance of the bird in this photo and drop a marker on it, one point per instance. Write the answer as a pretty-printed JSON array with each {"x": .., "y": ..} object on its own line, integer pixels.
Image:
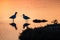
[
  {"x": 55, "y": 21},
  {"x": 25, "y": 17},
  {"x": 14, "y": 25},
  {"x": 26, "y": 25},
  {"x": 13, "y": 16}
]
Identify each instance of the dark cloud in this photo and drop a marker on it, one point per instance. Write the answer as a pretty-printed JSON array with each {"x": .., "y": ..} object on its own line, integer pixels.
[{"x": 39, "y": 21}]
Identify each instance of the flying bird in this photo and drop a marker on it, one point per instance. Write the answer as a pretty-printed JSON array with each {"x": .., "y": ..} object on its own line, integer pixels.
[
  {"x": 14, "y": 25},
  {"x": 13, "y": 16},
  {"x": 39, "y": 21},
  {"x": 25, "y": 25},
  {"x": 25, "y": 17}
]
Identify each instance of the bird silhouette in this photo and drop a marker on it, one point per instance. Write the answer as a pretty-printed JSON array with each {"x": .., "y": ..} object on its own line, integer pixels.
[
  {"x": 26, "y": 25},
  {"x": 55, "y": 21},
  {"x": 26, "y": 17},
  {"x": 14, "y": 25},
  {"x": 13, "y": 16}
]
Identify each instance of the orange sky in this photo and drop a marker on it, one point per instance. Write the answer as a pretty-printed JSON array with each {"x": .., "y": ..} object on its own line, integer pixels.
[{"x": 40, "y": 9}]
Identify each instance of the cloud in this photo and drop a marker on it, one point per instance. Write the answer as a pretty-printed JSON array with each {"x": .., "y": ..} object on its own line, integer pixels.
[{"x": 39, "y": 21}]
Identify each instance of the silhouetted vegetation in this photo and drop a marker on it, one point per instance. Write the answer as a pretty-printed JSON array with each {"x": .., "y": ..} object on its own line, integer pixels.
[
  {"x": 48, "y": 32},
  {"x": 39, "y": 21}
]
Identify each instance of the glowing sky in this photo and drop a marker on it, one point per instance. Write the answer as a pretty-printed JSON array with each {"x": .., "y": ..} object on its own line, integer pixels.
[{"x": 40, "y": 9}]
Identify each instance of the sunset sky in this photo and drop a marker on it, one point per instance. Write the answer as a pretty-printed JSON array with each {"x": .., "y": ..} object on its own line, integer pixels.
[{"x": 35, "y": 9}]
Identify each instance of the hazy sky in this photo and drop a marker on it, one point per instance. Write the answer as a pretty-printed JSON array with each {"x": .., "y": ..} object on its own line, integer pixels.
[{"x": 35, "y": 9}]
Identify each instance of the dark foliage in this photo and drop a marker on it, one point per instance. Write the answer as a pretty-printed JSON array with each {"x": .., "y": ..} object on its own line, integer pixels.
[{"x": 49, "y": 32}]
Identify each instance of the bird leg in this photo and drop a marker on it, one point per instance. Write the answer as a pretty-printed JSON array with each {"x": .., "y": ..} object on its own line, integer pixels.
[
  {"x": 13, "y": 20},
  {"x": 27, "y": 27},
  {"x": 27, "y": 21}
]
